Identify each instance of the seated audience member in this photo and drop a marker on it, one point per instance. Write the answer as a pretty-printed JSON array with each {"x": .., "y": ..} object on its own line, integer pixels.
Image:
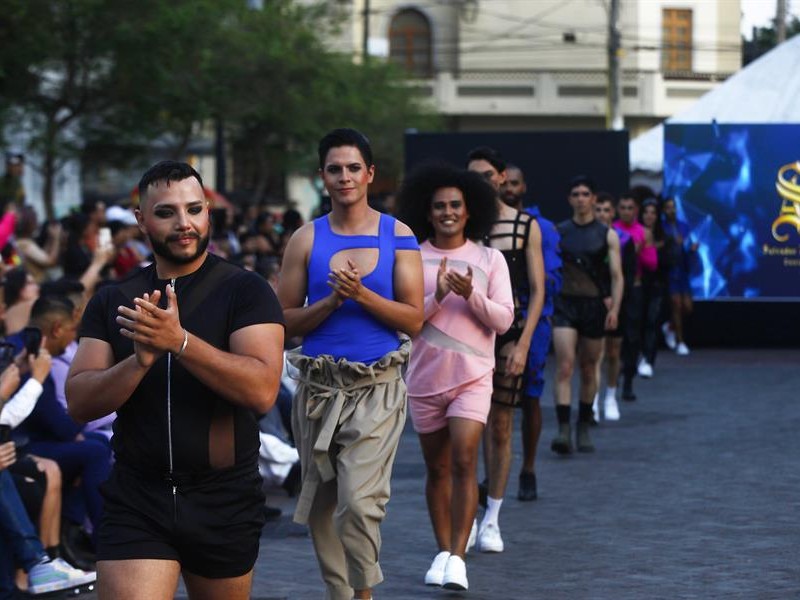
[
  {"x": 127, "y": 257},
  {"x": 74, "y": 291},
  {"x": 37, "y": 259},
  {"x": 20, "y": 291},
  {"x": 39, "y": 558},
  {"x": 38, "y": 479},
  {"x": 22, "y": 549},
  {"x": 50, "y": 432}
]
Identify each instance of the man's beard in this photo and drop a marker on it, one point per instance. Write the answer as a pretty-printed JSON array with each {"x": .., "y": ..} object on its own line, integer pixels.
[
  {"x": 511, "y": 200},
  {"x": 163, "y": 250}
]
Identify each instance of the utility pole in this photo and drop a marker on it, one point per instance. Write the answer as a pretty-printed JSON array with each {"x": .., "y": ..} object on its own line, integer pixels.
[
  {"x": 614, "y": 96},
  {"x": 365, "y": 41},
  {"x": 780, "y": 21}
]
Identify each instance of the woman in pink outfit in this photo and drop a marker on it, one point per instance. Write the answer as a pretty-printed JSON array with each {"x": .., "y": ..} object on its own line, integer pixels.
[{"x": 468, "y": 300}]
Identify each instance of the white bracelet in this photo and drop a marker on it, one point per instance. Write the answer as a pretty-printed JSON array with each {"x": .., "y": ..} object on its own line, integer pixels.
[{"x": 183, "y": 346}]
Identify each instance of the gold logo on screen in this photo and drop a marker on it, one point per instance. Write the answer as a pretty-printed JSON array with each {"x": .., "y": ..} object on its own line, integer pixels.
[{"x": 789, "y": 191}]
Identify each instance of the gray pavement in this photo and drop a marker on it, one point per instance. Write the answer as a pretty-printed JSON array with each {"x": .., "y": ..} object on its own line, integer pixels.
[{"x": 693, "y": 494}]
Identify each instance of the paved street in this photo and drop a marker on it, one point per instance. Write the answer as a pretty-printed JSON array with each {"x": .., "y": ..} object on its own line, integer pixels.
[{"x": 693, "y": 494}]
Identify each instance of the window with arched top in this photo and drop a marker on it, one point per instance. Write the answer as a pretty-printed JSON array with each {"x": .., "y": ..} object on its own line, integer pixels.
[{"x": 410, "y": 42}]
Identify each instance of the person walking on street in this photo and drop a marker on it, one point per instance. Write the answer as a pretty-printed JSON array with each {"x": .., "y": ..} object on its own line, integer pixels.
[
  {"x": 588, "y": 248},
  {"x": 512, "y": 192},
  {"x": 350, "y": 281},
  {"x": 518, "y": 236},
  {"x": 680, "y": 289},
  {"x": 184, "y": 496},
  {"x": 468, "y": 301}
]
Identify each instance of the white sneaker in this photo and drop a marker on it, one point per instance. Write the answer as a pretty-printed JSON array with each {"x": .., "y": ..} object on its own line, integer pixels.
[
  {"x": 595, "y": 408},
  {"x": 682, "y": 350},
  {"x": 473, "y": 535},
  {"x": 435, "y": 574},
  {"x": 79, "y": 576},
  {"x": 611, "y": 409},
  {"x": 645, "y": 369},
  {"x": 489, "y": 539},
  {"x": 455, "y": 574},
  {"x": 57, "y": 575},
  {"x": 669, "y": 336}
]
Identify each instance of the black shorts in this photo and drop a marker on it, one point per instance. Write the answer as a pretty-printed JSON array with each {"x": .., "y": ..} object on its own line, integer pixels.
[
  {"x": 211, "y": 526},
  {"x": 586, "y": 315}
]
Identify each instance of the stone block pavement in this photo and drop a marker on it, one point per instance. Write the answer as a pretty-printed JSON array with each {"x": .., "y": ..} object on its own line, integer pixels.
[{"x": 694, "y": 493}]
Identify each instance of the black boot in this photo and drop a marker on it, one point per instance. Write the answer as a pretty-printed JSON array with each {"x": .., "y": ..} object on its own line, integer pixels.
[
  {"x": 562, "y": 443},
  {"x": 582, "y": 439},
  {"x": 527, "y": 486},
  {"x": 627, "y": 390}
]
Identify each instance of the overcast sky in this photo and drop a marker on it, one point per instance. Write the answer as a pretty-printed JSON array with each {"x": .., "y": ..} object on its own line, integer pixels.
[{"x": 757, "y": 13}]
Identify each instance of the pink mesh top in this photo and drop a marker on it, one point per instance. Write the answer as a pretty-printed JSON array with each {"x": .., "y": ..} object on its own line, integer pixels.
[
  {"x": 456, "y": 344},
  {"x": 646, "y": 259}
]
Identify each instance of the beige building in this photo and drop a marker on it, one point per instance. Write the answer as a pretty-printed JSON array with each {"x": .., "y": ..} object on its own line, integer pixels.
[{"x": 509, "y": 65}]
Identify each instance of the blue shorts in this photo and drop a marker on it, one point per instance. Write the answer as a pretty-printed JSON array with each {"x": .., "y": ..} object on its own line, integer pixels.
[{"x": 537, "y": 356}]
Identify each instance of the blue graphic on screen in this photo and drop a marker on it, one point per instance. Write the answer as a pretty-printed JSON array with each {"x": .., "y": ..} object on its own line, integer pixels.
[{"x": 723, "y": 180}]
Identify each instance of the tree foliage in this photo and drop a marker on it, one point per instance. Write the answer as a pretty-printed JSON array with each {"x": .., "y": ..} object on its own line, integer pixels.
[
  {"x": 765, "y": 39},
  {"x": 112, "y": 77}
]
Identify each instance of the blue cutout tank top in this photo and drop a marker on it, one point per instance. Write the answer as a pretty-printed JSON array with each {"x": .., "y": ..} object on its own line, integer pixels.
[{"x": 350, "y": 332}]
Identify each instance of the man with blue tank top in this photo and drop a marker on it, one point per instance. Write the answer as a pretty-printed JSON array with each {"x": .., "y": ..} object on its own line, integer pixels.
[
  {"x": 351, "y": 285},
  {"x": 512, "y": 192}
]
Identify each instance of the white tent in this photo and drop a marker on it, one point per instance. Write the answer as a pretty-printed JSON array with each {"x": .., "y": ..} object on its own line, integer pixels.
[{"x": 765, "y": 91}]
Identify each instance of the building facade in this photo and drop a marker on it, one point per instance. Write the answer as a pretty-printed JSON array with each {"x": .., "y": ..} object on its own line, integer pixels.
[{"x": 505, "y": 65}]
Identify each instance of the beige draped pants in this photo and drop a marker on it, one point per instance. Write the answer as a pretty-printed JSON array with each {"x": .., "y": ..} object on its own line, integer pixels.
[{"x": 347, "y": 419}]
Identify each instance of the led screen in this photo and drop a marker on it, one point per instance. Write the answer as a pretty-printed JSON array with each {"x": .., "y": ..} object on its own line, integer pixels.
[{"x": 738, "y": 188}]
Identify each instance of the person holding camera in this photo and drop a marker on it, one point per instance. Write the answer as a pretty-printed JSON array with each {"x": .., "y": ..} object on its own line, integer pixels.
[{"x": 49, "y": 431}]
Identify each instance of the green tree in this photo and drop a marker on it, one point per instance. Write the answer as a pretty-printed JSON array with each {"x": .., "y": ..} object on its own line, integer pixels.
[
  {"x": 78, "y": 72},
  {"x": 286, "y": 90},
  {"x": 765, "y": 39},
  {"x": 105, "y": 79}
]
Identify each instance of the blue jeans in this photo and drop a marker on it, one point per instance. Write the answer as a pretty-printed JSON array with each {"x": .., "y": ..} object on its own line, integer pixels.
[
  {"x": 91, "y": 461},
  {"x": 19, "y": 544}
]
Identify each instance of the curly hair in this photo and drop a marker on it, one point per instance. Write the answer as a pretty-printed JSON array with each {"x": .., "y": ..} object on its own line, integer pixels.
[{"x": 414, "y": 199}]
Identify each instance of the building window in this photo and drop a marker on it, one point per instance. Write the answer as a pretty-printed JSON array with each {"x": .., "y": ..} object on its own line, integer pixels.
[
  {"x": 410, "y": 42},
  {"x": 676, "y": 39}
]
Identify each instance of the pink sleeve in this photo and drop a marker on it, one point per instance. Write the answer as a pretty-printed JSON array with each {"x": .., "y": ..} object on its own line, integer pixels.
[
  {"x": 7, "y": 224},
  {"x": 430, "y": 306},
  {"x": 648, "y": 258},
  {"x": 495, "y": 309}
]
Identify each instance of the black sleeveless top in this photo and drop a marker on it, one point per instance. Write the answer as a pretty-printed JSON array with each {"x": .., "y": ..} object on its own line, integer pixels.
[
  {"x": 517, "y": 262},
  {"x": 584, "y": 251}
]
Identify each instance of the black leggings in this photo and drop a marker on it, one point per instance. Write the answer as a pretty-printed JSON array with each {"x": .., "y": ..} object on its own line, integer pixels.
[
  {"x": 631, "y": 325},
  {"x": 653, "y": 300}
]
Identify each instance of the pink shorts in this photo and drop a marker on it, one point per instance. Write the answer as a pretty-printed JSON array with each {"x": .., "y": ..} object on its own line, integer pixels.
[{"x": 469, "y": 401}]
